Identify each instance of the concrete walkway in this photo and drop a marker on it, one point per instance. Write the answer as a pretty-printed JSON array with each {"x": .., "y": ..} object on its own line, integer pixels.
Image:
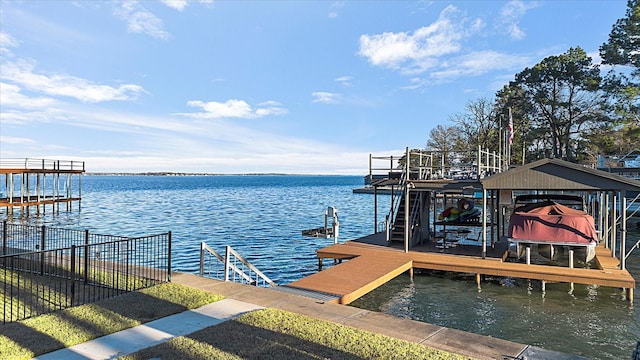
[
  {"x": 153, "y": 333},
  {"x": 240, "y": 299}
]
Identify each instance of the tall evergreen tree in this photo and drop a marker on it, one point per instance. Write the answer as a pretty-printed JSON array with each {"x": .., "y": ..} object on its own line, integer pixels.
[
  {"x": 623, "y": 87},
  {"x": 563, "y": 94}
]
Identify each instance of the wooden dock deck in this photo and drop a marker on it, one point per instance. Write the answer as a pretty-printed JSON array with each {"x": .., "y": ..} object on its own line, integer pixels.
[
  {"x": 370, "y": 266},
  {"x": 40, "y": 182}
]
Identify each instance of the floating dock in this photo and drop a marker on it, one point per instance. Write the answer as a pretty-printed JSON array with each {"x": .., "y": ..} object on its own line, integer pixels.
[{"x": 35, "y": 183}]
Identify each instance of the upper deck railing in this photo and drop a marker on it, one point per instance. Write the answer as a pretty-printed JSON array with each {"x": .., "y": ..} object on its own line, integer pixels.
[
  {"x": 41, "y": 164},
  {"x": 434, "y": 165}
]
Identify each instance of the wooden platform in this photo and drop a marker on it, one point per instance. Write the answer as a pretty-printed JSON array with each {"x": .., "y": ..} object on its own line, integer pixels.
[
  {"x": 40, "y": 182},
  {"x": 370, "y": 266}
]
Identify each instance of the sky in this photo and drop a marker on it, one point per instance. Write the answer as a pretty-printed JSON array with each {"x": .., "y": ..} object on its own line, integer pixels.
[{"x": 236, "y": 87}]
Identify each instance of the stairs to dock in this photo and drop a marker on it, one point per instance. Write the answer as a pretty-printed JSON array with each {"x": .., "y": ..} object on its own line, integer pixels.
[
  {"x": 399, "y": 225},
  {"x": 397, "y": 229},
  {"x": 317, "y": 295}
]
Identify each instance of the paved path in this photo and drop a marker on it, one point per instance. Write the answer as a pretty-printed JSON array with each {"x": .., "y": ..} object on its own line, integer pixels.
[{"x": 153, "y": 333}]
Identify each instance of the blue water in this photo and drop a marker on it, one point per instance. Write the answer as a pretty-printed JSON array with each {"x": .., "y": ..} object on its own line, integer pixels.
[{"x": 262, "y": 218}]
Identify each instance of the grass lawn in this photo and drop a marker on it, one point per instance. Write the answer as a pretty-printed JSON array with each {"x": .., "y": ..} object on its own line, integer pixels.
[
  {"x": 262, "y": 334},
  {"x": 45, "y": 333},
  {"x": 281, "y": 335}
]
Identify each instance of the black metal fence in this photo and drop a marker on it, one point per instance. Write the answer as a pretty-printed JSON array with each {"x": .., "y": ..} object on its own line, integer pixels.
[
  {"x": 17, "y": 238},
  {"x": 78, "y": 271}
]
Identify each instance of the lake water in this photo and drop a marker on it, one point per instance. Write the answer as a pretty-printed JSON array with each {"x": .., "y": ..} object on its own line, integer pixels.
[{"x": 262, "y": 218}]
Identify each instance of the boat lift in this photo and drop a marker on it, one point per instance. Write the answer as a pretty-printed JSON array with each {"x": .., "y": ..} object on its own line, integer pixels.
[{"x": 326, "y": 231}]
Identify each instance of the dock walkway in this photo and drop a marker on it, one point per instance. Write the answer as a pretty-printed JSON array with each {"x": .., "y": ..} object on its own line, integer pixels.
[{"x": 370, "y": 266}]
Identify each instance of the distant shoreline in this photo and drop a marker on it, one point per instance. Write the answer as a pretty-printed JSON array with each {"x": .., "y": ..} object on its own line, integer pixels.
[{"x": 170, "y": 173}]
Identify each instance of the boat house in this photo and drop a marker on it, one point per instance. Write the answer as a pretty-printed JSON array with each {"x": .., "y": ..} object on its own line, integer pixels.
[{"x": 417, "y": 232}]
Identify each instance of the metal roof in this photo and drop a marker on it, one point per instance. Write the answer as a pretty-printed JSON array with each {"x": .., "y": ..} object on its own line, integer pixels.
[{"x": 556, "y": 174}]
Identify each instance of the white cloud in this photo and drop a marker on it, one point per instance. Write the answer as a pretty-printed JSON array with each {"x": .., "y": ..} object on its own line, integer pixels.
[
  {"x": 234, "y": 109},
  {"x": 481, "y": 62},
  {"x": 325, "y": 97},
  {"x": 7, "y": 40},
  {"x": 418, "y": 51},
  {"x": 11, "y": 96},
  {"x": 141, "y": 20},
  {"x": 23, "y": 74},
  {"x": 16, "y": 140},
  {"x": 176, "y": 4},
  {"x": 152, "y": 144},
  {"x": 335, "y": 6},
  {"x": 344, "y": 80},
  {"x": 511, "y": 13}
]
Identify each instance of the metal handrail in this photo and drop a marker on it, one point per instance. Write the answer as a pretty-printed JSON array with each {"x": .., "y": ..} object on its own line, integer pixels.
[
  {"x": 229, "y": 265},
  {"x": 41, "y": 164}
]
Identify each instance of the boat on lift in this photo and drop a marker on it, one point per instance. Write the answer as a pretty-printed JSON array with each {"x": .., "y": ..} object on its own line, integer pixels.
[{"x": 550, "y": 225}]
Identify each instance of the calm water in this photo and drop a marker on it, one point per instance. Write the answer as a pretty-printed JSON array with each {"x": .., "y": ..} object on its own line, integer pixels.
[{"x": 262, "y": 217}]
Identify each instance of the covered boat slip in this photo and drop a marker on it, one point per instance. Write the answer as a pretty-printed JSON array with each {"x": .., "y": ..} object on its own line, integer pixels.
[
  {"x": 412, "y": 236},
  {"x": 604, "y": 193}
]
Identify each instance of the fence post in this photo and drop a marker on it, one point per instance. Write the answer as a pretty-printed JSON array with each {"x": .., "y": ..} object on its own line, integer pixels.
[
  {"x": 227, "y": 256},
  {"x": 202, "y": 258},
  {"x": 4, "y": 237},
  {"x": 129, "y": 251},
  {"x": 169, "y": 260},
  {"x": 73, "y": 273},
  {"x": 86, "y": 257},
  {"x": 43, "y": 236}
]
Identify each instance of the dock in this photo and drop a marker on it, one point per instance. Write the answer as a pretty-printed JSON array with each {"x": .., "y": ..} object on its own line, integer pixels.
[
  {"x": 417, "y": 234},
  {"x": 36, "y": 183},
  {"x": 369, "y": 266}
]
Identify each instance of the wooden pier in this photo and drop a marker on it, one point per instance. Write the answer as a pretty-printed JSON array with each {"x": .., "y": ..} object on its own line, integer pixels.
[
  {"x": 38, "y": 182},
  {"x": 370, "y": 266}
]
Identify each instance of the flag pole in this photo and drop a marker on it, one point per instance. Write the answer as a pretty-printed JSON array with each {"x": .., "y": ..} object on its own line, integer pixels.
[
  {"x": 500, "y": 142},
  {"x": 510, "y": 134}
]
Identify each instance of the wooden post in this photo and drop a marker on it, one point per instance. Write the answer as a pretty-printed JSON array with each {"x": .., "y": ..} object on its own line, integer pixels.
[
  {"x": 484, "y": 223},
  {"x": 623, "y": 239},
  {"x": 614, "y": 229}
]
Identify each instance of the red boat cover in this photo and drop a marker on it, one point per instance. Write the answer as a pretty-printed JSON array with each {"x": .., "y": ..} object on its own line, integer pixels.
[{"x": 552, "y": 222}]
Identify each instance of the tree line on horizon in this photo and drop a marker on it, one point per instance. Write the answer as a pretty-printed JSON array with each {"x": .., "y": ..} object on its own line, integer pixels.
[{"x": 563, "y": 107}]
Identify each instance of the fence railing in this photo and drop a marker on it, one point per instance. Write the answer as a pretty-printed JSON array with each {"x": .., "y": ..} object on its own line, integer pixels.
[
  {"x": 41, "y": 164},
  {"x": 38, "y": 282},
  {"x": 17, "y": 238},
  {"x": 230, "y": 267}
]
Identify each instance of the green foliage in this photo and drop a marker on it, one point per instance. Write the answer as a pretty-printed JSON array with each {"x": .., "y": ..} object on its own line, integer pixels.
[
  {"x": 563, "y": 107},
  {"x": 624, "y": 43},
  {"x": 555, "y": 104}
]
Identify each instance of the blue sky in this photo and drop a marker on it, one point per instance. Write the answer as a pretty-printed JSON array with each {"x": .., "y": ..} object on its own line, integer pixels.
[{"x": 298, "y": 87}]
